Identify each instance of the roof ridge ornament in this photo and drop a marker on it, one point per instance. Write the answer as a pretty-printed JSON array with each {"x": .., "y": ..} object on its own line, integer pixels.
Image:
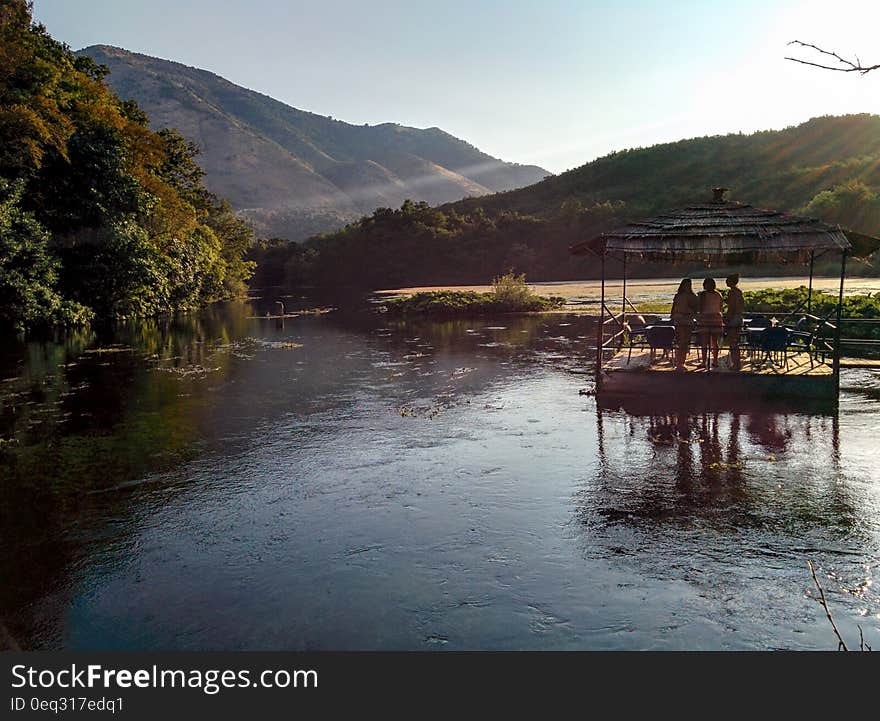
[{"x": 718, "y": 195}]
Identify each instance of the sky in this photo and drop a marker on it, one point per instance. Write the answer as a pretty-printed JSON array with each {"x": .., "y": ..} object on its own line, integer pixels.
[{"x": 555, "y": 83}]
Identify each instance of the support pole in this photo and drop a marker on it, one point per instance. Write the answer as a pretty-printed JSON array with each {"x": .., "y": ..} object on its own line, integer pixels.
[
  {"x": 837, "y": 324},
  {"x": 623, "y": 301},
  {"x": 810, "y": 289},
  {"x": 600, "y": 332}
]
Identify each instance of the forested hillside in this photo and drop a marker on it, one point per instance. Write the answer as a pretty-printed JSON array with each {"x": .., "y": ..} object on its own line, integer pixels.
[
  {"x": 99, "y": 215},
  {"x": 294, "y": 173},
  {"x": 828, "y": 167}
]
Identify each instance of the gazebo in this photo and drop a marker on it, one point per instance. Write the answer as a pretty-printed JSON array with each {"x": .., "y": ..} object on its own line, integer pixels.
[{"x": 707, "y": 232}]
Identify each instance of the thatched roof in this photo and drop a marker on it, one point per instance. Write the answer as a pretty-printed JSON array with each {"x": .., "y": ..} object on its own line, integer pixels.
[{"x": 719, "y": 228}]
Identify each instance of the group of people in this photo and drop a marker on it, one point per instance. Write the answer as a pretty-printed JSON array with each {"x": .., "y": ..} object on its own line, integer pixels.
[{"x": 707, "y": 313}]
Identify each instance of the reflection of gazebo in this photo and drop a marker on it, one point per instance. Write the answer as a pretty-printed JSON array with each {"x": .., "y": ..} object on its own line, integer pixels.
[{"x": 726, "y": 230}]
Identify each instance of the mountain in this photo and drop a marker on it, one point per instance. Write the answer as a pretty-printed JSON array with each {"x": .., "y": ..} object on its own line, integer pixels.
[
  {"x": 827, "y": 167},
  {"x": 783, "y": 169},
  {"x": 295, "y": 173}
]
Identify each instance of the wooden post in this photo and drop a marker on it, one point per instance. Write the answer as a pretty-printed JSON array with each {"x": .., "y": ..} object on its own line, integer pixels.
[
  {"x": 600, "y": 333},
  {"x": 836, "y": 367},
  {"x": 623, "y": 301},
  {"x": 810, "y": 289}
]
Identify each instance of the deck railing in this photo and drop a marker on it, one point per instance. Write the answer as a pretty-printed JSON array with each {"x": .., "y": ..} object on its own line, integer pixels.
[
  {"x": 820, "y": 331},
  {"x": 618, "y": 329}
]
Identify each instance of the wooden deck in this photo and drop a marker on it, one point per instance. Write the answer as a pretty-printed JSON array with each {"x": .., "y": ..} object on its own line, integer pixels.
[
  {"x": 759, "y": 376},
  {"x": 798, "y": 364}
]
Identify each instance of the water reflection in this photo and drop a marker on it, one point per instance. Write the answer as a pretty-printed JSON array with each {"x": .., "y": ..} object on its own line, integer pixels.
[
  {"x": 757, "y": 468},
  {"x": 751, "y": 494}
]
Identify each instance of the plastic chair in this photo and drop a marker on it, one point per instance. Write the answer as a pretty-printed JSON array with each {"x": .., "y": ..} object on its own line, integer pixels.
[
  {"x": 751, "y": 343},
  {"x": 776, "y": 341},
  {"x": 660, "y": 337},
  {"x": 800, "y": 339},
  {"x": 635, "y": 329}
]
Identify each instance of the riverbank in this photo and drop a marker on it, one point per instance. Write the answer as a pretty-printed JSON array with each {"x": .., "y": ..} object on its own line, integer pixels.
[{"x": 649, "y": 295}]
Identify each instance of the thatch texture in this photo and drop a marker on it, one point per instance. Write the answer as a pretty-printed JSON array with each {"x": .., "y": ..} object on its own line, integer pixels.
[{"x": 719, "y": 228}]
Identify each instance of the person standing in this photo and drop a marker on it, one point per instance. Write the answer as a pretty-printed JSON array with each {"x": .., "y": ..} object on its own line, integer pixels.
[
  {"x": 733, "y": 319},
  {"x": 684, "y": 310},
  {"x": 711, "y": 321}
]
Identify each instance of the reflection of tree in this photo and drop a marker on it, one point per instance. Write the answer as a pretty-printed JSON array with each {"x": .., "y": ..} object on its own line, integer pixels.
[
  {"x": 527, "y": 338},
  {"x": 83, "y": 415}
]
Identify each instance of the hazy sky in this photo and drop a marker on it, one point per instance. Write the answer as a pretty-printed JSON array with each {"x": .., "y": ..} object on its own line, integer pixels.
[{"x": 551, "y": 82}]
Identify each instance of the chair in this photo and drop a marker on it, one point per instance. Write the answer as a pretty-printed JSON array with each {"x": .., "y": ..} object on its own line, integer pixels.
[
  {"x": 776, "y": 341},
  {"x": 800, "y": 339},
  {"x": 758, "y": 321},
  {"x": 750, "y": 343},
  {"x": 635, "y": 329},
  {"x": 660, "y": 337}
]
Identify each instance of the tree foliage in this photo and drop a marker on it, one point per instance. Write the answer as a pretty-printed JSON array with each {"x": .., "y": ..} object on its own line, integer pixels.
[
  {"x": 28, "y": 269},
  {"x": 117, "y": 213}
]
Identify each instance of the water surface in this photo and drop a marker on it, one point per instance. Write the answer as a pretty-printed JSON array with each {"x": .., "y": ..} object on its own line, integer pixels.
[{"x": 343, "y": 481}]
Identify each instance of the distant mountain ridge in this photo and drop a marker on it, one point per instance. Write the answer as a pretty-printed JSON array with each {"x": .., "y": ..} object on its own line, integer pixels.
[{"x": 296, "y": 173}]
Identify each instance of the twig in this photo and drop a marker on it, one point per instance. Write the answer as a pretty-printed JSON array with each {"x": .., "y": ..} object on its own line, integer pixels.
[
  {"x": 845, "y": 66},
  {"x": 841, "y": 642},
  {"x": 862, "y": 645}
]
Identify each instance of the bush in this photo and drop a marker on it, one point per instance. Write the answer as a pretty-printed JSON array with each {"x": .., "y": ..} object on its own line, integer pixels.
[
  {"x": 510, "y": 291},
  {"x": 780, "y": 302}
]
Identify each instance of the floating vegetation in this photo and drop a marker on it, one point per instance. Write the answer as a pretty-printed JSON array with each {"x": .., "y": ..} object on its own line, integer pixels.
[
  {"x": 442, "y": 401},
  {"x": 110, "y": 349},
  {"x": 296, "y": 314},
  {"x": 188, "y": 370},
  {"x": 429, "y": 412},
  {"x": 724, "y": 466},
  {"x": 285, "y": 345}
]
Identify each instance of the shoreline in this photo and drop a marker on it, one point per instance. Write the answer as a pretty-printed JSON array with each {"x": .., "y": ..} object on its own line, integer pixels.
[{"x": 581, "y": 295}]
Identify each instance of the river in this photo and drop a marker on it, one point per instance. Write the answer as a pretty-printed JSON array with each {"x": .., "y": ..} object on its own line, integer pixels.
[{"x": 342, "y": 481}]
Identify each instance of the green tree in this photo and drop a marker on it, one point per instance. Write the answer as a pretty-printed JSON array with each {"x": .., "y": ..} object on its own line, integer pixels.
[
  {"x": 121, "y": 220},
  {"x": 28, "y": 270}
]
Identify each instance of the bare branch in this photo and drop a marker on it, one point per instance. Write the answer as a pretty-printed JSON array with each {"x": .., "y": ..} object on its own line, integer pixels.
[
  {"x": 841, "y": 642},
  {"x": 862, "y": 645},
  {"x": 843, "y": 65}
]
